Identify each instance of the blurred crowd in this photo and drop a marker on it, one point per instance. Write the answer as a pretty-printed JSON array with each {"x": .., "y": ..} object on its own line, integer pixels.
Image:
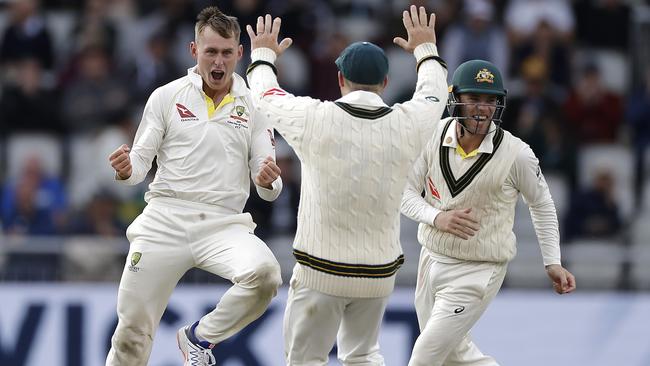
[{"x": 75, "y": 75}]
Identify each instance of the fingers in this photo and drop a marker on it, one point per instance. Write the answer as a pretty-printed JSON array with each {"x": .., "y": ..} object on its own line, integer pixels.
[
  {"x": 286, "y": 43},
  {"x": 270, "y": 165},
  {"x": 467, "y": 232},
  {"x": 268, "y": 23},
  {"x": 122, "y": 165},
  {"x": 414, "y": 15},
  {"x": 119, "y": 151},
  {"x": 260, "y": 25},
  {"x": 250, "y": 32},
  {"x": 423, "y": 17},
  {"x": 571, "y": 282},
  {"x": 406, "y": 19},
  {"x": 275, "y": 29},
  {"x": 400, "y": 42},
  {"x": 432, "y": 21}
]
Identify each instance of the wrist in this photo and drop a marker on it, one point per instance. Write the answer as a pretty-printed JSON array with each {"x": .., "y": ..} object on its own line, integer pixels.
[{"x": 263, "y": 54}]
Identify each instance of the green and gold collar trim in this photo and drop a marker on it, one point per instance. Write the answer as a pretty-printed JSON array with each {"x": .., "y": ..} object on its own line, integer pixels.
[
  {"x": 364, "y": 113},
  {"x": 457, "y": 186}
]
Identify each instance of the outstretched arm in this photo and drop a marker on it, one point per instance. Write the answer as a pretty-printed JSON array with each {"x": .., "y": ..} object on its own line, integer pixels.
[
  {"x": 430, "y": 97},
  {"x": 286, "y": 113}
]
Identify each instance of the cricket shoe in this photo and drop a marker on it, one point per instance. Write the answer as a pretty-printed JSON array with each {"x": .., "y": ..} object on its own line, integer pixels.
[{"x": 195, "y": 352}]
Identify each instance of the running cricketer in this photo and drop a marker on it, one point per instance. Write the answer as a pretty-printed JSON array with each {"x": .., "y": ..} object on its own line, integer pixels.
[
  {"x": 209, "y": 141},
  {"x": 355, "y": 153},
  {"x": 472, "y": 172}
]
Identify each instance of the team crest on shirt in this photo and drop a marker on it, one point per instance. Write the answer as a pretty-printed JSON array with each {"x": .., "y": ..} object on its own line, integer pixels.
[
  {"x": 432, "y": 189},
  {"x": 484, "y": 76},
  {"x": 186, "y": 114},
  {"x": 239, "y": 117}
]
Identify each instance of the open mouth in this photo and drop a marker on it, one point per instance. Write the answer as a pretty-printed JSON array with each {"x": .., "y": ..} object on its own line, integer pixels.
[
  {"x": 480, "y": 118},
  {"x": 217, "y": 75}
]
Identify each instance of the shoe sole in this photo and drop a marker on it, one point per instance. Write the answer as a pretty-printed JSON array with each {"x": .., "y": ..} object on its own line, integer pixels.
[{"x": 178, "y": 342}]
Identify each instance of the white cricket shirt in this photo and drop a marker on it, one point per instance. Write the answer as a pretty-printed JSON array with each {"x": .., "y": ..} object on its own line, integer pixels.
[{"x": 204, "y": 153}]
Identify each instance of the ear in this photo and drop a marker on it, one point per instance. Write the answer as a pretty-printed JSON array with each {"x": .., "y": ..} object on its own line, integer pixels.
[
  {"x": 385, "y": 82},
  {"x": 341, "y": 80},
  {"x": 194, "y": 50},
  {"x": 240, "y": 52}
]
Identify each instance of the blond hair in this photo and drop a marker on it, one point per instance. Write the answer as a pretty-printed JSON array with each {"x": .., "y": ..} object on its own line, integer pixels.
[{"x": 227, "y": 26}]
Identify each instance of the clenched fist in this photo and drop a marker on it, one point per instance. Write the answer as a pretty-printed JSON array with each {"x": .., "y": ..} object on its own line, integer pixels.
[
  {"x": 563, "y": 280},
  {"x": 121, "y": 162},
  {"x": 268, "y": 173}
]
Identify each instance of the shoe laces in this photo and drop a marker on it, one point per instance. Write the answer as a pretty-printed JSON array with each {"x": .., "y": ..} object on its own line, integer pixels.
[{"x": 202, "y": 357}]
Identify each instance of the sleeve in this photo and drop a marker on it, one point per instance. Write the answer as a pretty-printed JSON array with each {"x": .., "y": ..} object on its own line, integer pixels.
[
  {"x": 263, "y": 145},
  {"x": 431, "y": 92},
  {"x": 148, "y": 139},
  {"x": 286, "y": 112},
  {"x": 526, "y": 176},
  {"x": 414, "y": 206}
]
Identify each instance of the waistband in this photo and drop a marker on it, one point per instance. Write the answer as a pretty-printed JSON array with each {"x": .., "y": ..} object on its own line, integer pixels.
[{"x": 198, "y": 206}]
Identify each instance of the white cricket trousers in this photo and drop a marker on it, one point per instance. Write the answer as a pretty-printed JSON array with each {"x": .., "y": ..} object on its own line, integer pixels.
[
  {"x": 169, "y": 238},
  {"x": 449, "y": 299},
  {"x": 313, "y": 321}
]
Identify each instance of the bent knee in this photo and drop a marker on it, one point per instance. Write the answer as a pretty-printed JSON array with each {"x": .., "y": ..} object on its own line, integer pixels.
[
  {"x": 131, "y": 342},
  {"x": 265, "y": 278}
]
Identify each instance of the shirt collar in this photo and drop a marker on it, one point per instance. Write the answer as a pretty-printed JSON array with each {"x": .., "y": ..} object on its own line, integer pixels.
[
  {"x": 238, "y": 88},
  {"x": 362, "y": 98},
  {"x": 451, "y": 139}
]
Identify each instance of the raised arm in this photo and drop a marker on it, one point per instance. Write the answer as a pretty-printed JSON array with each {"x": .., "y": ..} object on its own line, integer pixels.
[
  {"x": 286, "y": 112},
  {"x": 430, "y": 97}
]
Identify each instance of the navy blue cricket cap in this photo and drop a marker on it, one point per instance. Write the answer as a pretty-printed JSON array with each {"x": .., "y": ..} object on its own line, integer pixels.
[{"x": 363, "y": 63}]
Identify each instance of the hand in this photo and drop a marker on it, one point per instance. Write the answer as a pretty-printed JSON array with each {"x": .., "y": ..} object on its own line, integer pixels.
[
  {"x": 563, "y": 281},
  {"x": 121, "y": 162},
  {"x": 267, "y": 35},
  {"x": 457, "y": 222},
  {"x": 268, "y": 173},
  {"x": 417, "y": 29}
]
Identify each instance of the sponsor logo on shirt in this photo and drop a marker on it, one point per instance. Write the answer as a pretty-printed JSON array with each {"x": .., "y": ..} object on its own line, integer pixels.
[
  {"x": 186, "y": 114},
  {"x": 432, "y": 189},
  {"x": 274, "y": 91}
]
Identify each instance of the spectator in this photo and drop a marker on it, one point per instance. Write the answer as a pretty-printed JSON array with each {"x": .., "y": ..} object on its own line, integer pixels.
[
  {"x": 96, "y": 95},
  {"x": 19, "y": 98},
  {"x": 34, "y": 204},
  {"x": 100, "y": 217},
  {"x": 26, "y": 35},
  {"x": 95, "y": 27},
  {"x": 476, "y": 36},
  {"x": 536, "y": 117},
  {"x": 593, "y": 211},
  {"x": 593, "y": 14},
  {"x": 593, "y": 112},
  {"x": 153, "y": 68}
]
